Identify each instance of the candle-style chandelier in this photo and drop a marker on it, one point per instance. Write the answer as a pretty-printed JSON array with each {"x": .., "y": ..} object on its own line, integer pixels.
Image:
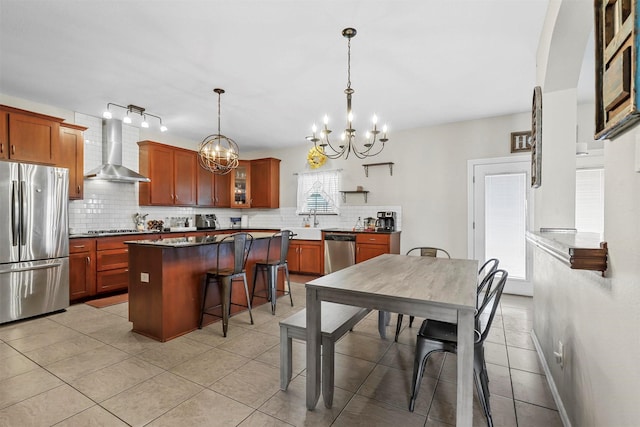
[
  {"x": 373, "y": 144},
  {"x": 217, "y": 153}
]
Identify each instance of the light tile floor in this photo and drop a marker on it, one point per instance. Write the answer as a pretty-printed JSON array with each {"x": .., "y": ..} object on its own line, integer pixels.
[{"x": 85, "y": 367}]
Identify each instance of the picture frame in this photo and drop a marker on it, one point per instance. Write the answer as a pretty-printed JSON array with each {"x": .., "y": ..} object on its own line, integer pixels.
[{"x": 520, "y": 141}]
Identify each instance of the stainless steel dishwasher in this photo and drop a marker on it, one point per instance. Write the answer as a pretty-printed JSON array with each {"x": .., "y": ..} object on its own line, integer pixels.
[{"x": 339, "y": 251}]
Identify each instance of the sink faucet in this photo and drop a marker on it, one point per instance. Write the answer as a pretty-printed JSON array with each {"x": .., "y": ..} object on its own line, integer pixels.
[{"x": 315, "y": 220}]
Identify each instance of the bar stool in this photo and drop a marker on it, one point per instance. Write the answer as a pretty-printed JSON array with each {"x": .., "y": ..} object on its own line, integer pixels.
[
  {"x": 240, "y": 246},
  {"x": 271, "y": 265}
]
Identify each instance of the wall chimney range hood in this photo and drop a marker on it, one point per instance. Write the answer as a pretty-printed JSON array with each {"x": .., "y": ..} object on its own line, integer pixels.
[{"x": 111, "y": 168}]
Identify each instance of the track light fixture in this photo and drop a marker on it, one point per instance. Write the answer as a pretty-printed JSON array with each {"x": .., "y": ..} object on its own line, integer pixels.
[{"x": 133, "y": 109}]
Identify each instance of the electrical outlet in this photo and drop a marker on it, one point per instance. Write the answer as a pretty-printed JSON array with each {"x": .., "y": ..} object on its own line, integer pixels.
[
  {"x": 559, "y": 355},
  {"x": 144, "y": 277}
]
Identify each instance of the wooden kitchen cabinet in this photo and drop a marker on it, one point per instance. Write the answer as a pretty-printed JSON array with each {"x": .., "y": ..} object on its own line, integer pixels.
[
  {"x": 112, "y": 263},
  {"x": 172, "y": 172},
  {"x": 212, "y": 190},
  {"x": 82, "y": 270},
  {"x": 265, "y": 183},
  {"x": 29, "y": 137},
  {"x": 305, "y": 256},
  {"x": 370, "y": 245},
  {"x": 72, "y": 157}
]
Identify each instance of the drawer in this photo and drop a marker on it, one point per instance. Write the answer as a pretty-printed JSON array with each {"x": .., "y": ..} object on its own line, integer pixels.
[
  {"x": 379, "y": 239},
  {"x": 81, "y": 245},
  {"x": 111, "y": 259},
  {"x": 112, "y": 280},
  {"x": 114, "y": 242}
]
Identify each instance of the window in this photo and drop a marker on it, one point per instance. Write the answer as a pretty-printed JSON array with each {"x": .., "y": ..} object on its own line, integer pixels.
[
  {"x": 319, "y": 191},
  {"x": 590, "y": 200}
]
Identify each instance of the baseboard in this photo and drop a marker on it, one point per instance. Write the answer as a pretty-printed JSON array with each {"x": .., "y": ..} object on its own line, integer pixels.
[{"x": 552, "y": 385}]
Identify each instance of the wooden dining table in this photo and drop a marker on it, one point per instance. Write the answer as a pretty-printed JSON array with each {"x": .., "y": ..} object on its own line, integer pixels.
[{"x": 434, "y": 288}]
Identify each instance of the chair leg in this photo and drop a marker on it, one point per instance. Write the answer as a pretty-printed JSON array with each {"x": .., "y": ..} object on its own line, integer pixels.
[
  {"x": 411, "y": 318},
  {"x": 286, "y": 275},
  {"x": 225, "y": 298},
  {"x": 204, "y": 300},
  {"x": 273, "y": 278},
  {"x": 246, "y": 292},
  {"x": 398, "y": 326},
  {"x": 419, "y": 362},
  {"x": 481, "y": 379},
  {"x": 255, "y": 276}
]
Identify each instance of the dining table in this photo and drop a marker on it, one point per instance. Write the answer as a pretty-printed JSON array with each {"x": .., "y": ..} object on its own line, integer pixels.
[{"x": 434, "y": 288}]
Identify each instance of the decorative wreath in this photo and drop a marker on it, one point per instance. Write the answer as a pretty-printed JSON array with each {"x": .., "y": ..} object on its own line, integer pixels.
[{"x": 316, "y": 157}]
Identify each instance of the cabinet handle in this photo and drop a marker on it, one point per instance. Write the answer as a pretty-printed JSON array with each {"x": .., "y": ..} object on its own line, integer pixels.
[
  {"x": 1, "y": 148},
  {"x": 78, "y": 190},
  {"x": 78, "y": 246},
  {"x": 13, "y": 149},
  {"x": 88, "y": 260}
]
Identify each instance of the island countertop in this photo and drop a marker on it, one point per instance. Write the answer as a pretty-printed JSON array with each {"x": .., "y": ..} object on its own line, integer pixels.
[{"x": 179, "y": 242}]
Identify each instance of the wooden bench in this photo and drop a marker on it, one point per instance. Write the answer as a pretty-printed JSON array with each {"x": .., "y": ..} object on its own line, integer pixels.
[{"x": 337, "y": 320}]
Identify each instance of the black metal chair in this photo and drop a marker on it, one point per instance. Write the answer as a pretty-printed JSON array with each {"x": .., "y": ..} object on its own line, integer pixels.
[
  {"x": 271, "y": 265},
  {"x": 435, "y": 335},
  {"x": 487, "y": 268},
  {"x": 224, "y": 275},
  {"x": 423, "y": 251}
]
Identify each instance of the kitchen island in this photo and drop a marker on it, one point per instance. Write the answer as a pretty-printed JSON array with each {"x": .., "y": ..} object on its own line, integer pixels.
[{"x": 166, "y": 277}]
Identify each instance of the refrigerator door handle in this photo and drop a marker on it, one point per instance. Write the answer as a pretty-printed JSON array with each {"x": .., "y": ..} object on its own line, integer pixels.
[
  {"x": 30, "y": 268},
  {"x": 23, "y": 212},
  {"x": 15, "y": 213}
]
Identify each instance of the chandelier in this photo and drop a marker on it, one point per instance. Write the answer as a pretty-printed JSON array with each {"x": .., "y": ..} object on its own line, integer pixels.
[
  {"x": 133, "y": 109},
  {"x": 373, "y": 141},
  {"x": 217, "y": 153}
]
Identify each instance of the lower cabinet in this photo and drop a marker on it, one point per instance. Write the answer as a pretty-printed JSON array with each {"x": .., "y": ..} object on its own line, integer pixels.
[
  {"x": 370, "y": 245},
  {"x": 112, "y": 264},
  {"x": 82, "y": 270},
  {"x": 305, "y": 256}
]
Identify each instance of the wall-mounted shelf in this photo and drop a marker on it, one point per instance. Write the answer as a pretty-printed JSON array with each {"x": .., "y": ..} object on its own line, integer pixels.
[
  {"x": 363, "y": 192},
  {"x": 366, "y": 167},
  {"x": 579, "y": 251}
]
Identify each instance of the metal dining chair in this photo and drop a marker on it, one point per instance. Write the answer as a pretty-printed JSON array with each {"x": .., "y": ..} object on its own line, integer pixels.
[
  {"x": 271, "y": 265},
  {"x": 422, "y": 251},
  {"x": 224, "y": 275},
  {"x": 435, "y": 335}
]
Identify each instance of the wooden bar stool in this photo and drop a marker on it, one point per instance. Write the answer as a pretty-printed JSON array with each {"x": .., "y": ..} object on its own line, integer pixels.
[
  {"x": 271, "y": 265},
  {"x": 224, "y": 276}
]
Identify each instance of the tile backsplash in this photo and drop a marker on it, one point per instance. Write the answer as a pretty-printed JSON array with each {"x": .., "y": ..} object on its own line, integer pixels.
[{"x": 112, "y": 205}]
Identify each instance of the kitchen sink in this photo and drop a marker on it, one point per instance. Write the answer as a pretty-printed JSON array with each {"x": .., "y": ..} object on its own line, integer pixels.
[{"x": 306, "y": 233}]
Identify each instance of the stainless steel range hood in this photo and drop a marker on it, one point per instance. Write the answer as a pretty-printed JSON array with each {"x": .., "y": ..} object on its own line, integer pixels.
[{"x": 111, "y": 168}]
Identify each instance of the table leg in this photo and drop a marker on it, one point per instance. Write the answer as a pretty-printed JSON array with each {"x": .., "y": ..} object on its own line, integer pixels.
[
  {"x": 464, "y": 408},
  {"x": 313, "y": 348},
  {"x": 383, "y": 321}
]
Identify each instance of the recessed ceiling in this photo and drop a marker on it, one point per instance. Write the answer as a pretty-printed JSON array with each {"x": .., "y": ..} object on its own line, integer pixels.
[{"x": 283, "y": 64}]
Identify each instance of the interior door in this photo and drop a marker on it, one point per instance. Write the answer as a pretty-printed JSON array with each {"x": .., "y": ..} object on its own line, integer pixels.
[{"x": 501, "y": 217}]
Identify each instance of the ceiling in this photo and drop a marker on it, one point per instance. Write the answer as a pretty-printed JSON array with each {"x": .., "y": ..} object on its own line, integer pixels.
[{"x": 283, "y": 64}]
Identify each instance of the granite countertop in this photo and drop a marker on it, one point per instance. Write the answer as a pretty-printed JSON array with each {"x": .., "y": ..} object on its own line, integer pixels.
[
  {"x": 178, "y": 242},
  {"x": 350, "y": 230},
  {"x": 134, "y": 232}
]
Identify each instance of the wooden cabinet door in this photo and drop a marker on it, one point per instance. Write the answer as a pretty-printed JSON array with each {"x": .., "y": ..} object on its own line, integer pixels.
[
  {"x": 265, "y": 183},
  {"x": 33, "y": 139},
  {"x": 4, "y": 135},
  {"x": 82, "y": 269},
  {"x": 310, "y": 258},
  {"x": 366, "y": 251},
  {"x": 184, "y": 175},
  {"x": 82, "y": 281},
  {"x": 205, "y": 191},
  {"x": 72, "y": 158},
  {"x": 112, "y": 280},
  {"x": 293, "y": 256},
  {"x": 161, "y": 175},
  {"x": 222, "y": 184}
]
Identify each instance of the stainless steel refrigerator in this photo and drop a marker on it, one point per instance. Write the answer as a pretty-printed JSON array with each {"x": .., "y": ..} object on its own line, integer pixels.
[{"x": 34, "y": 240}]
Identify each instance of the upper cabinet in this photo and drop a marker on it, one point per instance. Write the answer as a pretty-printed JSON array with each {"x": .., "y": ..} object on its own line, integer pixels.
[
  {"x": 265, "y": 183},
  {"x": 29, "y": 137},
  {"x": 256, "y": 184},
  {"x": 172, "y": 172},
  {"x": 241, "y": 185},
  {"x": 72, "y": 157},
  {"x": 213, "y": 190}
]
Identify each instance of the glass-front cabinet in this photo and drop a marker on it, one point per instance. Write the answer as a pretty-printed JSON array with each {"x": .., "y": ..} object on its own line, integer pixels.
[{"x": 240, "y": 185}]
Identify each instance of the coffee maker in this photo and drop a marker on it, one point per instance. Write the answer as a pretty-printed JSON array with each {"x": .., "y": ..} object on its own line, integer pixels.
[
  {"x": 386, "y": 221},
  {"x": 206, "y": 221}
]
